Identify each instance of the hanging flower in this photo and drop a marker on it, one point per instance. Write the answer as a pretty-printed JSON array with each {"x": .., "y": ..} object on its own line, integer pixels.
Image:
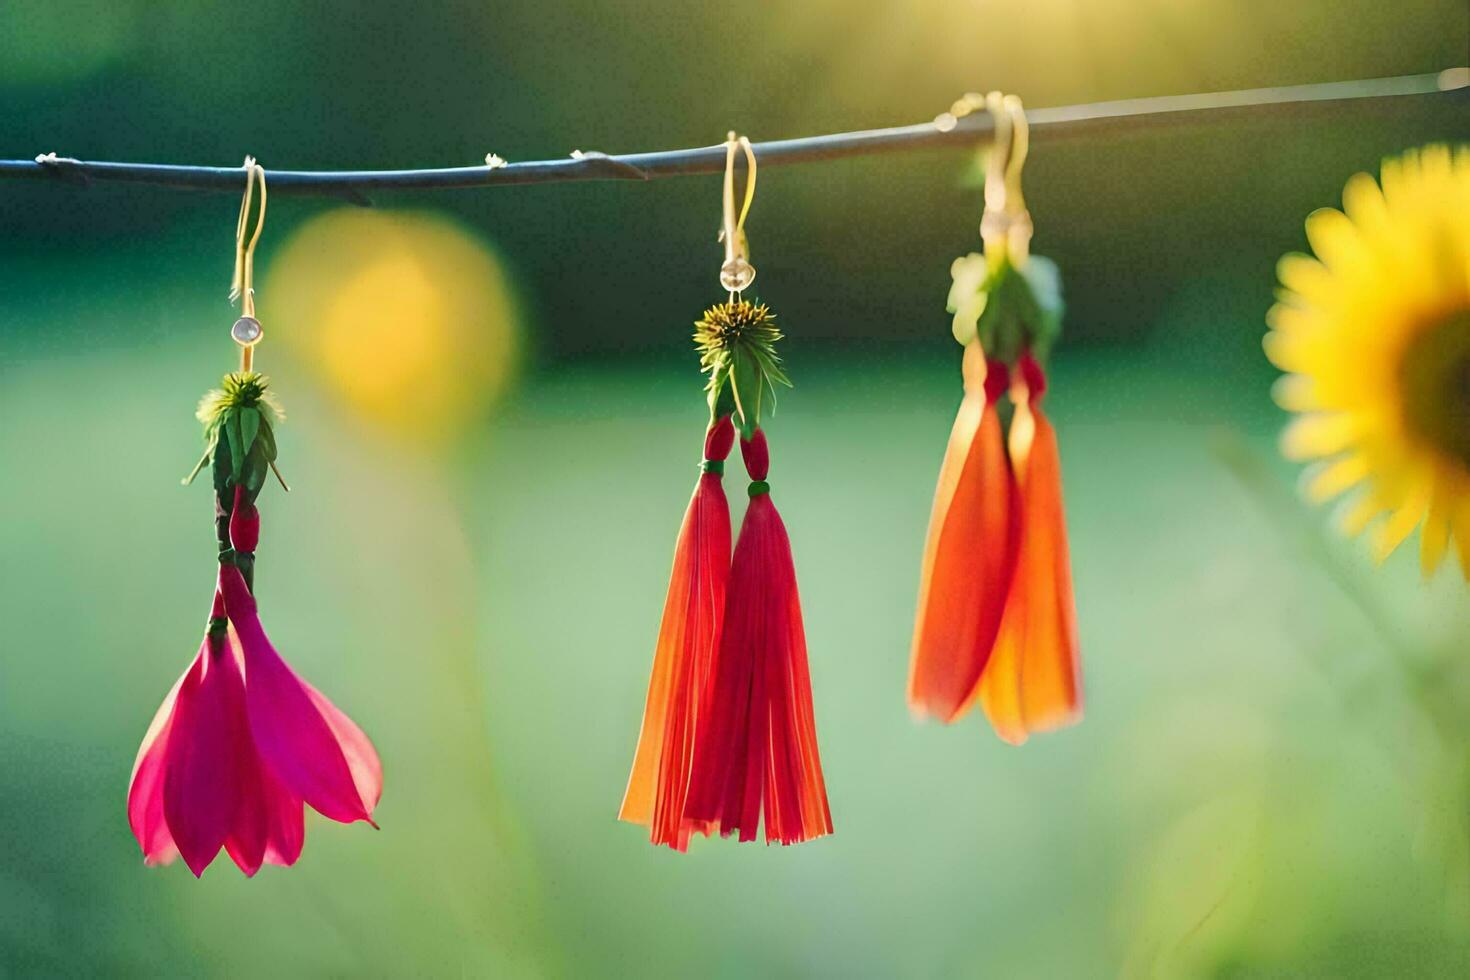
[
  {"x": 755, "y": 752},
  {"x": 1032, "y": 682},
  {"x": 687, "y": 639},
  {"x": 996, "y": 620},
  {"x": 1374, "y": 333},
  {"x": 241, "y": 742},
  {"x": 970, "y": 554}
]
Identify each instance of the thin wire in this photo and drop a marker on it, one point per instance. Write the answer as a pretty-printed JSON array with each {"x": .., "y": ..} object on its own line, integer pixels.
[{"x": 1059, "y": 122}]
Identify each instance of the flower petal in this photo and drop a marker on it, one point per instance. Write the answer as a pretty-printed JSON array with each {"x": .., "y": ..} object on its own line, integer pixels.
[
  {"x": 286, "y": 826},
  {"x": 1318, "y": 434},
  {"x": 1033, "y": 681},
  {"x": 689, "y": 635},
  {"x": 296, "y": 741},
  {"x": 145, "y": 789},
  {"x": 247, "y": 840},
  {"x": 201, "y": 790},
  {"x": 968, "y": 558},
  {"x": 357, "y": 748},
  {"x": 1323, "y": 482}
]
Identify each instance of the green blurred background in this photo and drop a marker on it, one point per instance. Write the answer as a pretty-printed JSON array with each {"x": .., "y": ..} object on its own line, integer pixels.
[{"x": 494, "y": 416}]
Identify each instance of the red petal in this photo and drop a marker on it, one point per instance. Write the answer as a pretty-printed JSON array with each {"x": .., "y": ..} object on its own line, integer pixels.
[
  {"x": 688, "y": 637},
  {"x": 756, "y": 746}
]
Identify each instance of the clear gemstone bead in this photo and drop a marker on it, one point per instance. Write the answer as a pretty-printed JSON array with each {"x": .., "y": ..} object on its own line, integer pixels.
[
  {"x": 737, "y": 274},
  {"x": 246, "y": 331}
]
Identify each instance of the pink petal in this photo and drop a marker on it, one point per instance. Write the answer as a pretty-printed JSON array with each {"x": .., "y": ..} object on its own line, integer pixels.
[
  {"x": 201, "y": 791},
  {"x": 269, "y": 828},
  {"x": 286, "y": 823},
  {"x": 145, "y": 789},
  {"x": 362, "y": 758},
  {"x": 295, "y": 740},
  {"x": 247, "y": 841}
]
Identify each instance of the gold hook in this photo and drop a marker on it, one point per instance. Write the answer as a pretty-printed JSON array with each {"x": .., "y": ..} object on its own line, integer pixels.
[
  {"x": 247, "y": 330},
  {"x": 737, "y": 273},
  {"x": 1020, "y": 227},
  {"x": 995, "y": 222}
]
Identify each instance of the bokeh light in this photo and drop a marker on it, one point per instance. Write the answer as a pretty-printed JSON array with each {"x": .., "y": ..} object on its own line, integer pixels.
[{"x": 408, "y": 317}]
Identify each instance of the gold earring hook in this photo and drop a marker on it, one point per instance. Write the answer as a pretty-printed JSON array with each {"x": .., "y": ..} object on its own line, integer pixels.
[
  {"x": 1020, "y": 227},
  {"x": 737, "y": 273},
  {"x": 995, "y": 221},
  {"x": 247, "y": 330}
]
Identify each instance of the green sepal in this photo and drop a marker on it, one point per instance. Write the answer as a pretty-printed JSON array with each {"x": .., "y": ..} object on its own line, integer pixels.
[
  {"x": 267, "y": 440},
  {"x": 1045, "y": 280},
  {"x": 747, "y": 387},
  {"x": 240, "y": 440},
  {"x": 721, "y": 401},
  {"x": 223, "y": 469},
  {"x": 253, "y": 473},
  {"x": 737, "y": 344},
  {"x": 249, "y": 428},
  {"x": 238, "y": 450},
  {"x": 203, "y": 460},
  {"x": 1022, "y": 309}
]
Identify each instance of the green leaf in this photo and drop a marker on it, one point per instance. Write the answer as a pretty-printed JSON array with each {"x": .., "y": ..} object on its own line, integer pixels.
[
  {"x": 237, "y": 442},
  {"x": 748, "y": 384},
  {"x": 267, "y": 439},
  {"x": 253, "y": 477},
  {"x": 249, "y": 426},
  {"x": 223, "y": 464}
]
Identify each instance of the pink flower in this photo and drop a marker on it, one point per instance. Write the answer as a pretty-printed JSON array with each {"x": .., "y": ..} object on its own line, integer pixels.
[{"x": 241, "y": 742}]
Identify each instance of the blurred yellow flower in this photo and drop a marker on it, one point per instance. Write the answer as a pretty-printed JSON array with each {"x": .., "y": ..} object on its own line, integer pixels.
[
  {"x": 1375, "y": 335},
  {"x": 408, "y": 317}
]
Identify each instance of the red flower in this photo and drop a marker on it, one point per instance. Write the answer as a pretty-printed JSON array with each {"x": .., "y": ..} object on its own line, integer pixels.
[
  {"x": 756, "y": 749},
  {"x": 687, "y": 639}
]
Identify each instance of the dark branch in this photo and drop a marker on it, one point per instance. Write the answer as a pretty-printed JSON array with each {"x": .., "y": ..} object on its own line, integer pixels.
[{"x": 1046, "y": 124}]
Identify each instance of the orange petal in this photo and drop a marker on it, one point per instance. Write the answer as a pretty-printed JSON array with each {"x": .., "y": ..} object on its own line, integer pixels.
[
  {"x": 1033, "y": 682},
  {"x": 687, "y": 639},
  {"x": 968, "y": 558}
]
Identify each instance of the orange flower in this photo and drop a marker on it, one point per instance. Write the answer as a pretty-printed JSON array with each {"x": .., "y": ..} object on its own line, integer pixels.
[
  {"x": 1032, "y": 682},
  {"x": 970, "y": 554}
]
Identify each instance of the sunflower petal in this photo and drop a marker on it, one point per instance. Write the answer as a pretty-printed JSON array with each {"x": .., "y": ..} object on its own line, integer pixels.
[
  {"x": 1327, "y": 480},
  {"x": 1353, "y": 515},
  {"x": 1363, "y": 202},
  {"x": 1295, "y": 393},
  {"x": 1434, "y": 539},
  {"x": 1334, "y": 239},
  {"x": 1318, "y": 434},
  {"x": 1389, "y": 534}
]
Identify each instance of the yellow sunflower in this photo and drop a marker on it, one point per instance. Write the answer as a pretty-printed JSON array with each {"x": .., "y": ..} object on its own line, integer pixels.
[{"x": 1375, "y": 336}]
